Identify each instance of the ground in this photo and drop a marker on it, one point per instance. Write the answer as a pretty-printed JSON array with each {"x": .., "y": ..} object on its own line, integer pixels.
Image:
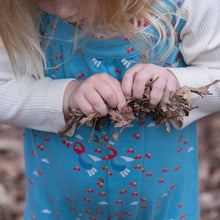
[{"x": 12, "y": 183}]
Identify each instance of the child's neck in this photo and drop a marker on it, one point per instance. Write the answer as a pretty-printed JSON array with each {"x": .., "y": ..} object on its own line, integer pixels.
[{"x": 105, "y": 33}]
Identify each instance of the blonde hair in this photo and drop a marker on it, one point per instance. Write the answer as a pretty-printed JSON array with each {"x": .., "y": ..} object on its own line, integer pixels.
[
  {"x": 20, "y": 36},
  {"x": 20, "y": 32}
]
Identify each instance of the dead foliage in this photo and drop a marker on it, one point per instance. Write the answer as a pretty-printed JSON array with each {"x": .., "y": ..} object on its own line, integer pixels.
[{"x": 173, "y": 106}]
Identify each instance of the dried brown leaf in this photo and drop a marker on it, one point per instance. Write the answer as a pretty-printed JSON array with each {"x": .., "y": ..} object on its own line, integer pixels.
[{"x": 173, "y": 106}]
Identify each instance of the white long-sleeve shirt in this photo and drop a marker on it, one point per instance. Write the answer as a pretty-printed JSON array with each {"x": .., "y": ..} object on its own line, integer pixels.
[{"x": 38, "y": 104}]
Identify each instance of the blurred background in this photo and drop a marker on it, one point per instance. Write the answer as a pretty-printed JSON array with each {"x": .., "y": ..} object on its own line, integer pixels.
[{"x": 12, "y": 183}]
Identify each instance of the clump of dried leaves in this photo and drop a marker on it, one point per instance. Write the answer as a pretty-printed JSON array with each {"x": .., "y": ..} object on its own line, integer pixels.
[{"x": 173, "y": 106}]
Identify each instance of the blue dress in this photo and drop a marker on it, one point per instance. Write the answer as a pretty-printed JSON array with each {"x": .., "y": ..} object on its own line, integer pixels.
[{"x": 148, "y": 174}]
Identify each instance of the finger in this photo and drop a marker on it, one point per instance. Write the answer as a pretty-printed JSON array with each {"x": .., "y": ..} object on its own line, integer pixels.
[
  {"x": 108, "y": 94},
  {"x": 121, "y": 100},
  {"x": 140, "y": 80},
  {"x": 127, "y": 80},
  {"x": 172, "y": 84},
  {"x": 157, "y": 91},
  {"x": 97, "y": 102},
  {"x": 85, "y": 106}
]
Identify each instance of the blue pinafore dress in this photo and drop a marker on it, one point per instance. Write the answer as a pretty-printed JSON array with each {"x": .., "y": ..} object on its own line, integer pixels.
[{"x": 149, "y": 174}]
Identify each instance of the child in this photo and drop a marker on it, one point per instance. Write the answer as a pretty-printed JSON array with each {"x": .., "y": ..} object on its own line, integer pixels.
[{"x": 149, "y": 173}]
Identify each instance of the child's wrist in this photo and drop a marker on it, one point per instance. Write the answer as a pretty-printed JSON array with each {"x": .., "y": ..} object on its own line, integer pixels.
[{"x": 66, "y": 99}]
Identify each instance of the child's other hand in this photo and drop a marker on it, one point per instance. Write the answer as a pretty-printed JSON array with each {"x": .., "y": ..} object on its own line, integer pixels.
[
  {"x": 94, "y": 94},
  {"x": 135, "y": 79}
]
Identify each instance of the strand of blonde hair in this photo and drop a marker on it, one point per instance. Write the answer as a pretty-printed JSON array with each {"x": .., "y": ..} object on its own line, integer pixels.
[{"x": 20, "y": 32}]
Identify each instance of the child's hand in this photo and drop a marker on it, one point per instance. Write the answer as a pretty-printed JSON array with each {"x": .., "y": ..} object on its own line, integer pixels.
[
  {"x": 94, "y": 94},
  {"x": 135, "y": 78}
]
